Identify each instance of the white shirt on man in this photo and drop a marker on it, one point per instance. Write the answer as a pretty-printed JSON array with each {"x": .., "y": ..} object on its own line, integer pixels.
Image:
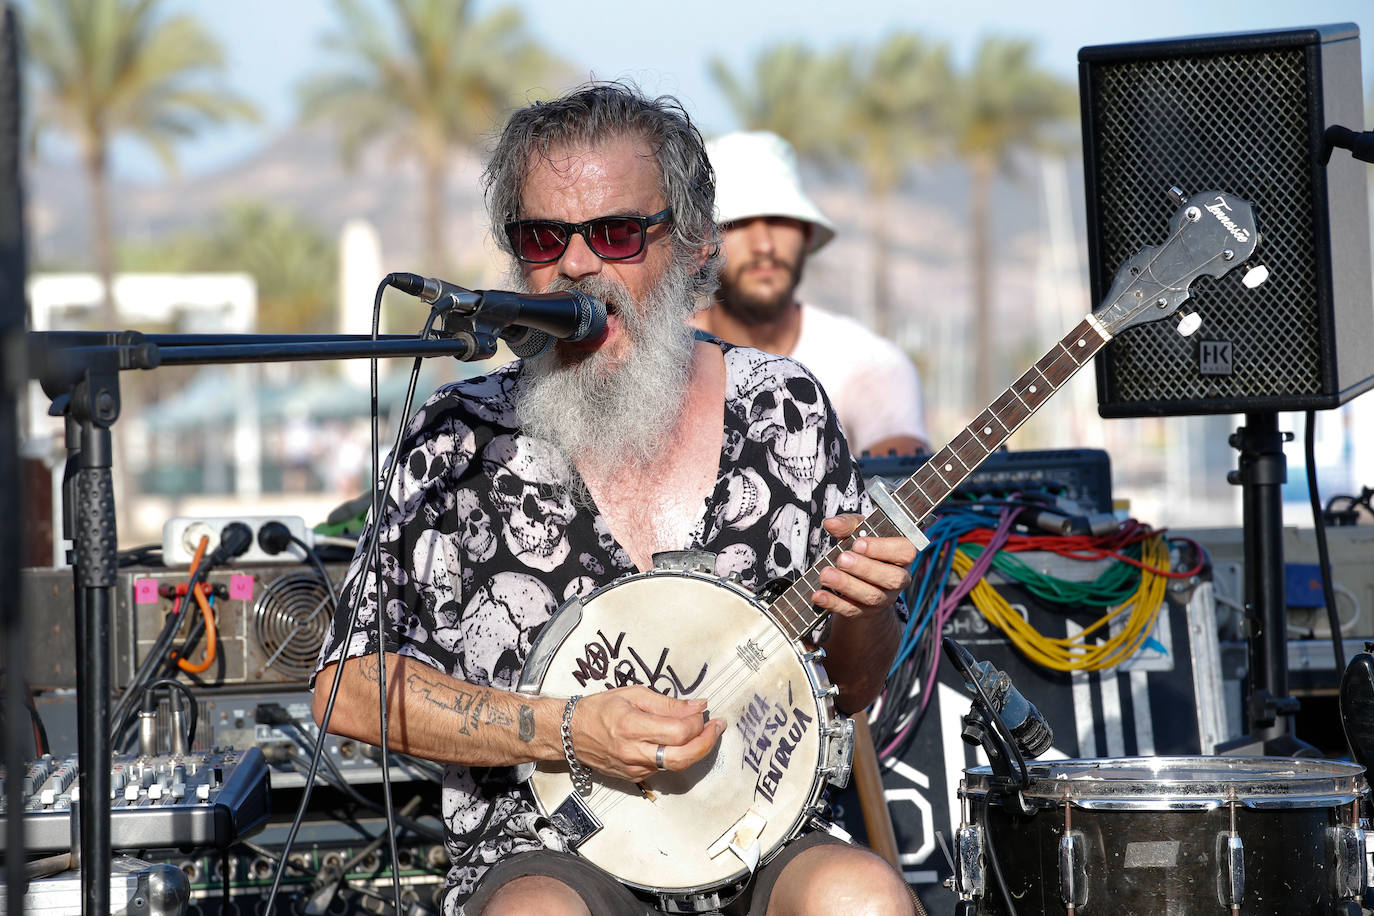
[{"x": 872, "y": 384}]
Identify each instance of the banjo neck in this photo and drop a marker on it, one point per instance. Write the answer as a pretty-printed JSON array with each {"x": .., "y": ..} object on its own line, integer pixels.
[{"x": 935, "y": 480}]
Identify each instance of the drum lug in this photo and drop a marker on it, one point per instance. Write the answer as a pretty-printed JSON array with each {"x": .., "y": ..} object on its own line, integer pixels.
[
  {"x": 968, "y": 862},
  {"x": 821, "y": 693},
  {"x": 840, "y": 751},
  {"x": 1230, "y": 869},
  {"x": 1073, "y": 875},
  {"x": 1348, "y": 848},
  {"x": 814, "y": 655}
]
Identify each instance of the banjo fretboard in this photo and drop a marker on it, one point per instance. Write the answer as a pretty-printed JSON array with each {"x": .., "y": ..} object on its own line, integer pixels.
[{"x": 935, "y": 480}]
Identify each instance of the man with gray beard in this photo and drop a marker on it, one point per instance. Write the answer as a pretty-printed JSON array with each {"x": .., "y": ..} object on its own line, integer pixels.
[
  {"x": 614, "y": 416},
  {"x": 555, "y": 476}
]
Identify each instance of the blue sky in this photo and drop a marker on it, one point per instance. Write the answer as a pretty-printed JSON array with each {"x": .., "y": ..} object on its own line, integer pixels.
[{"x": 665, "y": 46}]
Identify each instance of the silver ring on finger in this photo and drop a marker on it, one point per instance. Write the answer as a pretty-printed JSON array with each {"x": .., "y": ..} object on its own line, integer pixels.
[{"x": 658, "y": 759}]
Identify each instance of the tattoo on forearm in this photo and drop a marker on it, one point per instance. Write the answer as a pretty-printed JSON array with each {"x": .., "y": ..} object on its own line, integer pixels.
[
  {"x": 526, "y": 724},
  {"x": 474, "y": 707}
]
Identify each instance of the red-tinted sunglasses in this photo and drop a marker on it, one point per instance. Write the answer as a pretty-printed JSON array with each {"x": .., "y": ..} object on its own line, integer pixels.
[{"x": 611, "y": 238}]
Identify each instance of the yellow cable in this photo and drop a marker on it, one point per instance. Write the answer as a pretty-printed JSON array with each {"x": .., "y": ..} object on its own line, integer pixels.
[{"x": 1075, "y": 653}]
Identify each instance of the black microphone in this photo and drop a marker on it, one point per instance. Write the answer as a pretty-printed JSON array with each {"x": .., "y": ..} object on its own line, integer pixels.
[
  {"x": 1026, "y": 724},
  {"x": 567, "y": 315},
  {"x": 1357, "y": 707}
]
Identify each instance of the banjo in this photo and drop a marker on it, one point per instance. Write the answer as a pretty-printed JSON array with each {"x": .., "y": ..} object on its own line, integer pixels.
[{"x": 692, "y": 838}]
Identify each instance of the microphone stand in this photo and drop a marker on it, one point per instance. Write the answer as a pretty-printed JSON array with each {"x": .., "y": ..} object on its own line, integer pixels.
[{"x": 79, "y": 371}]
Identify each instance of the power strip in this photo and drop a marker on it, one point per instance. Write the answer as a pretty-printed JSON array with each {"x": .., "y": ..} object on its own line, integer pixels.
[{"x": 180, "y": 537}]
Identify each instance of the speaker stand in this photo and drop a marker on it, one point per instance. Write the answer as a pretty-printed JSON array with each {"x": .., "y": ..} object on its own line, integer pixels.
[{"x": 1261, "y": 473}]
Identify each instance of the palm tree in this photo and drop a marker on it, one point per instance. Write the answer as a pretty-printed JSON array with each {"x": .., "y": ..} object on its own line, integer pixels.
[
  {"x": 790, "y": 92},
  {"x": 880, "y": 109},
  {"x": 896, "y": 119},
  {"x": 1005, "y": 103},
  {"x": 433, "y": 85},
  {"x": 293, "y": 262},
  {"x": 109, "y": 68}
]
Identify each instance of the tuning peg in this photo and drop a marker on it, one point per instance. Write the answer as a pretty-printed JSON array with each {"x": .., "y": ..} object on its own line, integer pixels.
[
  {"x": 1255, "y": 276},
  {"x": 1189, "y": 323},
  {"x": 1177, "y": 196}
]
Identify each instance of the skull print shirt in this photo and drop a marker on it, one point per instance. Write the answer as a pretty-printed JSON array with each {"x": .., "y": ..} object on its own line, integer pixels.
[{"x": 478, "y": 550}]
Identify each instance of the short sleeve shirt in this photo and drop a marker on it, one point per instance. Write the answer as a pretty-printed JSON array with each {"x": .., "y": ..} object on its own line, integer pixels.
[
  {"x": 872, "y": 384},
  {"x": 479, "y": 550}
]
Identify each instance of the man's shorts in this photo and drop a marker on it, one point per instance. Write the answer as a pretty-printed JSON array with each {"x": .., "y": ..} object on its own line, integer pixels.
[{"x": 606, "y": 896}]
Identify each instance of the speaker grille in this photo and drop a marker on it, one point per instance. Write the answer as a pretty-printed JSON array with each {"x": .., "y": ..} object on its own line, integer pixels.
[{"x": 1236, "y": 122}]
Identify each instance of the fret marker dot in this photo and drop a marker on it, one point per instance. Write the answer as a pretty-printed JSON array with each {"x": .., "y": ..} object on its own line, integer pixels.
[
  {"x": 1082, "y": 343},
  {"x": 949, "y": 467},
  {"x": 987, "y": 430},
  {"x": 1031, "y": 389}
]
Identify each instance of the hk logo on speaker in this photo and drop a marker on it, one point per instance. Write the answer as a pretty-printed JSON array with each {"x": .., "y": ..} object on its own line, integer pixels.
[{"x": 1214, "y": 357}]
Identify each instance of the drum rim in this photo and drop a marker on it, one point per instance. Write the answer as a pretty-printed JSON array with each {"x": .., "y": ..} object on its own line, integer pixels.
[{"x": 1291, "y": 779}]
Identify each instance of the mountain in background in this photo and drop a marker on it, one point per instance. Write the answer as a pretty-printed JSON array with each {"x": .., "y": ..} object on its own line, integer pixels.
[{"x": 300, "y": 169}]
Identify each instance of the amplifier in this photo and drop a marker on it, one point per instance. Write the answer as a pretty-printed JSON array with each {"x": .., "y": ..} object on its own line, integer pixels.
[
  {"x": 270, "y": 622},
  {"x": 1245, "y": 113},
  {"x": 1083, "y": 475}
]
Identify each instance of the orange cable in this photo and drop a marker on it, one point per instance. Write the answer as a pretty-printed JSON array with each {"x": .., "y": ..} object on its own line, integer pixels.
[
  {"x": 210, "y": 640},
  {"x": 195, "y": 564}
]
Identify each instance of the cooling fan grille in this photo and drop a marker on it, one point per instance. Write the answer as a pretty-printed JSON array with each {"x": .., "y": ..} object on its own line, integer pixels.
[{"x": 290, "y": 621}]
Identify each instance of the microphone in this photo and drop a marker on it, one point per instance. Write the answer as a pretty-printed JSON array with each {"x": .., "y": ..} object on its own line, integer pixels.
[
  {"x": 1026, "y": 723},
  {"x": 1357, "y": 707},
  {"x": 567, "y": 315}
]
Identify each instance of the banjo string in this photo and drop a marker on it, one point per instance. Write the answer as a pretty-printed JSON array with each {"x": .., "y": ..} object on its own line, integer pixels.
[{"x": 724, "y": 686}]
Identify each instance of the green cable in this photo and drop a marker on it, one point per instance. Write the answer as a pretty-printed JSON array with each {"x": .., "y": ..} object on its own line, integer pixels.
[{"x": 1117, "y": 583}]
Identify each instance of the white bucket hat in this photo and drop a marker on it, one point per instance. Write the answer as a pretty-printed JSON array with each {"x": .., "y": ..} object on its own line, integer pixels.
[{"x": 756, "y": 175}]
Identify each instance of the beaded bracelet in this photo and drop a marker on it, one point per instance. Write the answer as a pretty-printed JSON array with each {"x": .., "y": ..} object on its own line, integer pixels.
[{"x": 581, "y": 775}]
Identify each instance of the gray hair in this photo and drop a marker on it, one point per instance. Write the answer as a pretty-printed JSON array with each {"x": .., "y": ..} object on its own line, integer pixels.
[{"x": 597, "y": 112}]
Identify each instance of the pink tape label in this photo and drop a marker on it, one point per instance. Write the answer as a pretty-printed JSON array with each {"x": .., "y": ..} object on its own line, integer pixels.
[
  {"x": 241, "y": 588},
  {"x": 145, "y": 591}
]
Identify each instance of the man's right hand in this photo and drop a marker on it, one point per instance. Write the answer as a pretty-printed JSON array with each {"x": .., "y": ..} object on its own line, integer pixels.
[{"x": 618, "y": 732}]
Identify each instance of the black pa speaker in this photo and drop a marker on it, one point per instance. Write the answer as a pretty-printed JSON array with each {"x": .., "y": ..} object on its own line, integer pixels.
[{"x": 1244, "y": 113}]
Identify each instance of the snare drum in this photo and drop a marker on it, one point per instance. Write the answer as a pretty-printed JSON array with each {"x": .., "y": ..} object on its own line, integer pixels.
[{"x": 1167, "y": 836}]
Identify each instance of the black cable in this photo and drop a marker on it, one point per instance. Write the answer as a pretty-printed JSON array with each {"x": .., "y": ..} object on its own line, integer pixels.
[
  {"x": 1319, "y": 528},
  {"x": 235, "y": 538},
  {"x": 120, "y": 716},
  {"x": 140, "y": 556},
  {"x": 992, "y": 857},
  {"x": 375, "y": 556},
  {"x": 363, "y": 801},
  {"x": 193, "y": 717},
  {"x": 371, "y": 551},
  {"x": 40, "y": 733},
  {"x": 1350, "y": 515}
]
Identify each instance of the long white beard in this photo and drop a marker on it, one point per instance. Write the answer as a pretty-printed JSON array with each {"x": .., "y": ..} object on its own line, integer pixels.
[{"x": 606, "y": 417}]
